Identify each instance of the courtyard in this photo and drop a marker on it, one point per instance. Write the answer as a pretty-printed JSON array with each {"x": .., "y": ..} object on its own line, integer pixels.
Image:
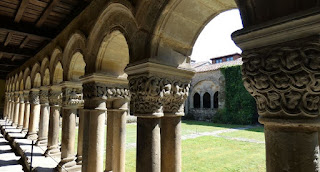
[{"x": 210, "y": 147}]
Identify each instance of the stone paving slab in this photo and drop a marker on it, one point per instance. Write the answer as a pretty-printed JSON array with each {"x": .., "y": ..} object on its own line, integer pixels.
[
  {"x": 8, "y": 159},
  {"x": 23, "y": 146}
]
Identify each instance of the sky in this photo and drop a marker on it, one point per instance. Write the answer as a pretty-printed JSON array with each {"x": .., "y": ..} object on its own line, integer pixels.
[{"x": 215, "y": 39}]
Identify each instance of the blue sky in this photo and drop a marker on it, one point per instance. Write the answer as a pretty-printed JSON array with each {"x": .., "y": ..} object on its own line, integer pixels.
[{"x": 215, "y": 39}]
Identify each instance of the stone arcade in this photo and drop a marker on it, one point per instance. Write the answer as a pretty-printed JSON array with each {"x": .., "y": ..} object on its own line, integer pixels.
[{"x": 116, "y": 53}]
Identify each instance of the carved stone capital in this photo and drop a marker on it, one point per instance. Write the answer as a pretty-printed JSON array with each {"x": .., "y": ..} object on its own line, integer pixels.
[
  {"x": 284, "y": 79},
  {"x": 158, "y": 90},
  {"x": 72, "y": 97},
  {"x": 34, "y": 97},
  {"x": 55, "y": 96},
  {"x": 44, "y": 96},
  {"x": 21, "y": 97}
]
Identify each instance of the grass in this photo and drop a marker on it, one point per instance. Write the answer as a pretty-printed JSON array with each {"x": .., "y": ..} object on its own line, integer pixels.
[
  {"x": 252, "y": 133},
  {"x": 208, "y": 153}
]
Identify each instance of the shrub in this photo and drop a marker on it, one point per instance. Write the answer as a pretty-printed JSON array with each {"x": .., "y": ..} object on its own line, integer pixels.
[{"x": 240, "y": 106}]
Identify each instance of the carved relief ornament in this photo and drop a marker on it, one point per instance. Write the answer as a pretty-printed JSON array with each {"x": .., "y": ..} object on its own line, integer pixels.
[
  {"x": 93, "y": 90},
  {"x": 284, "y": 79},
  {"x": 55, "y": 97},
  {"x": 72, "y": 97},
  {"x": 34, "y": 97}
]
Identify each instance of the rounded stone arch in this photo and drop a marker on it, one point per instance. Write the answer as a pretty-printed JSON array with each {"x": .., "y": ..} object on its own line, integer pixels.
[
  {"x": 57, "y": 74},
  {"x": 15, "y": 83},
  {"x": 26, "y": 75},
  {"x": 10, "y": 84},
  {"x": 45, "y": 72},
  {"x": 108, "y": 22},
  {"x": 20, "y": 81},
  {"x": 113, "y": 55},
  {"x": 73, "y": 56},
  {"x": 179, "y": 25},
  {"x": 55, "y": 60},
  {"x": 28, "y": 84},
  {"x": 36, "y": 76}
]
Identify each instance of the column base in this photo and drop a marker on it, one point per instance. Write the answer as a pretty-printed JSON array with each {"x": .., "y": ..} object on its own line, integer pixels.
[
  {"x": 14, "y": 125},
  {"x": 68, "y": 164},
  {"x": 79, "y": 160},
  {"x": 52, "y": 152},
  {"x": 24, "y": 130},
  {"x": 31, "y": 136},
  {"x": 42, "y": 142},
  {"x": 19, "y": 127}
]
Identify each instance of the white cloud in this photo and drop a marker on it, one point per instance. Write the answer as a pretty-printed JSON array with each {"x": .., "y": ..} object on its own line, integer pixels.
[{"x": 215, "y": 39}]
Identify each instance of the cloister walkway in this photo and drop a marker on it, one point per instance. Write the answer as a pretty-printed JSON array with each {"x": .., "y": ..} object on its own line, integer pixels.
[{"x": 8, "y": 160}]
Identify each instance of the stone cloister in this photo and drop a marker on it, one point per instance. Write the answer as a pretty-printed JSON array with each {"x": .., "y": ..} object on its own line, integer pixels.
[{"x": 119, "y": 53}]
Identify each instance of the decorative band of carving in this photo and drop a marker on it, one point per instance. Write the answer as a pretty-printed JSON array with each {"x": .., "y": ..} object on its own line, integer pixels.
[
  {"x": 26, "y": 97},
  {"x": 72, "y": 97},
  {"x": 285, "y": 79},
  {"x": 34, "y": 97},
  {"x": 154, "y": 94},
  {"x": 98, "y": 90},
  {"x": 55, "y": 97},
  {"x": 44, "y": 95}
]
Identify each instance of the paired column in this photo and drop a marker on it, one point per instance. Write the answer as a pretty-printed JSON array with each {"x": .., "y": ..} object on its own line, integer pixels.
[
  {"x": 21, "y": 110},
  {"x": 157, "y": 98},
  {"x": 281, "y": 70},
  {"x": 80, "y": 137},
  {"x": 72, "y": 101},
  {"x": 16, "y": 108},
  {"x": 26, "y": 111},
  {"x": 55, "y": 101},
  {"x": 44, "y": 116},
  {"x": 99, "y": 89},
  {"x": 34, "y": 114}
]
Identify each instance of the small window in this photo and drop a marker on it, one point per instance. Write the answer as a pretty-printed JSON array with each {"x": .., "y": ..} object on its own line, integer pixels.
[
  {"x": 229, "y": 59},
  {"x": 216, "y": 99},
  {"x": 196, "y": 100},
  {"x": 218, "y": 60},
  {"x": 206, "y": 100}
]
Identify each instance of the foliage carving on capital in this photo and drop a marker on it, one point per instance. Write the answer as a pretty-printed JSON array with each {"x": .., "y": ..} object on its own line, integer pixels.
[
  {"x": 26, "y": 97},
  {"x": 55, "y": 97},
  {"x": 72, "y": 97},
  {"x": 284, "y": 79},
  {"x": 98, "y": 90},
  {"x": 44, "y": 96},
  {"x": 34, "y": 97},
  {"x": 155, "y": 94}
]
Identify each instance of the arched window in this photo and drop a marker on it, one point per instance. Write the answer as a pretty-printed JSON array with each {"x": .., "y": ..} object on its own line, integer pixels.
[
  {"x": 216, "y": 100},
  {"x": 206, "y": 100},
  {"x": 196, "y": 100}
]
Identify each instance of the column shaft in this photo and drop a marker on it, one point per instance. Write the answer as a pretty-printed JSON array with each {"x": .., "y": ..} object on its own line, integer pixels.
[
  {"x": 44, "y": 124},
  {"x": 53, "y": 133},
  {"x": 93, "y": 141},
  {"x": 9, "y": 111},
  {"x": 16, "y": 113},
  {"x": 33, "y": 122},
  {"x": 171, "y": 144},
  {"x": 26, "y": 117},
  {"x": 119, "y": 141},
  {"x": 109, "y": 150},
  {"x": 80, "y": 137},
  {"x": 21, "y": 114},
  {"x": 148, "y": 145}
]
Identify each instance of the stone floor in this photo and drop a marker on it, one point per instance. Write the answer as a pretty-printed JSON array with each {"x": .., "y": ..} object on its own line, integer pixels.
[
  {"x": 8, "y": 160},
  {"x": 23, "y": 147}
]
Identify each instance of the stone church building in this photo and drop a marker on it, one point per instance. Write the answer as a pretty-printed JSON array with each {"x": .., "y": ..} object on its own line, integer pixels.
[{"x": 206, "y": 94}]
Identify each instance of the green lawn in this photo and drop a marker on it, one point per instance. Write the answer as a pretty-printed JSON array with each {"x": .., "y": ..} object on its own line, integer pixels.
[
  {"x": 209, "y": 153},
  {"x": 252, "y": 133}
]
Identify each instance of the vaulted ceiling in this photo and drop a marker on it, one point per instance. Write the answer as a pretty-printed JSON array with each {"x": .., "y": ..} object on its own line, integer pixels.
[{"x": 26, "y": 26}]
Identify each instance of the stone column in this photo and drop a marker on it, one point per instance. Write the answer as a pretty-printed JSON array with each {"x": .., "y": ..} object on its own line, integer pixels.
[
  {"x": 5, "y": 116},
  {"x": 157, "y": 91},
  {"x": 34, "y": 114},
  {"x": 119, "y": 113},
  {"x": 21, "y": 110},
  {"x": 72, "y": 100},
  {"x": 80, "y": 137},
  {"x": 97, "y": 89},
  {"x": 281, "y": 70},
  {"x": 44, "y": 116},
  {"x": 201, "y": 100},
  {"x": 109, "y": 149},
  {"x": 55, "y": 101},
  {"x": 11, "y": 108},
  {"x": 8, "y": 107},
  {"x": 26, "y": 111},
  {"x": 16, "y": 109}
]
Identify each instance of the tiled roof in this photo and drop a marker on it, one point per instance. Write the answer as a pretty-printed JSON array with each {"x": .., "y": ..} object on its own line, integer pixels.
[
  {"x": 199, "y": 64},
  {"x": 219, "y": 65}
]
